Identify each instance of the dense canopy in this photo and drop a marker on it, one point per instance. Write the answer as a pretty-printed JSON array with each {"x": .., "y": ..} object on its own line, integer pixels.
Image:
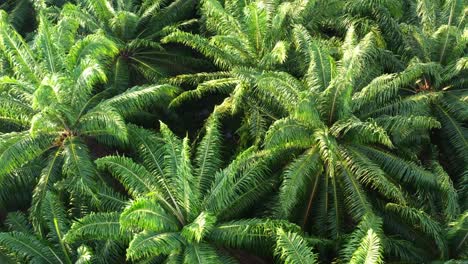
[{"x": 233, "y": 131}]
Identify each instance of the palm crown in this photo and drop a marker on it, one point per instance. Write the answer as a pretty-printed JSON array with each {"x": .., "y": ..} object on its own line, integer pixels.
[
  {"x": 53, "y": 104},
  {"x": 135, "y": 27},
  {"x": 348, "y": 145},
  {"x": 440, "y": 40},
  {"x": 180, "y": 211}
]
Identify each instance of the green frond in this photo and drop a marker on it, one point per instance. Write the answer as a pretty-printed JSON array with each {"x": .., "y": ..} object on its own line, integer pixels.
[
  {"x": 456, "y": 235},
  {"x": 100, "y": 8},
  {"x": 141, "y": 97},
  {"x": 256, "y": 234},
  {"x": 359, "y": 244},
  {"x": 86, "y": 75},
  {"x": 173, "y": 151},
  {"x": 450, "y": 205},
  {"x": 153, "y": 154},
  {"x": 150, "y": 244},
  {"x": 220, "y": 57},
  {"x": 369, "y": 251},
  {"x": 28, "y": 246},
  {"x": 405, "y": 171},
  {"x": 17, "y": 221},
  {"x": 218, "y": 19},
  {"x": 385, "y": 88},
  {"x": 399, "y": 126},
  {"x": 84, "y": 255},
  {"x": 208, "y": 156},
  {"x": 147, "y": 214},
  {"x": 48, "y": 48},
  {"x": 287, "y": 130},
  {"x": 22, "y": 149},
  {"x": 370, "y": 174},
  {"x": 239, "y": 185},
  {"x": 217, "y": 86},
  {"x": 95, "y": 47},
  {"x": 319, "y": 65},
  {"x": 78, "y": 165},
  {"x": 453, "y": 131},
  {"x": 356, "y": 200},
  {"x": 55, "y": 217},
  {"x": 199, "y": 228},
  {"x": 427, "y": 225},
  {"x": 291, "y": 248},
  {"x": 104, "y": 120},
  {"x": 296, "y": 178},
  {"x": 187, "y": 195},
  {"x": 362, "y": 132},
  {"x": 283, "y": 86},
  {"x": 97, "y": 226},
  {"x": 196, "y": 78},
  {"x": 204, "y": 253},
  {"x": 134, "y": 177},
  {"x": 16, "y": 50}
]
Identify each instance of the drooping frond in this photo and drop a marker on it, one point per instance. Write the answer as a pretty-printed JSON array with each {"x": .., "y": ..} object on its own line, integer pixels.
[
  {"x": 135, "y": 178},
  {"x": 208, "y": 156},
  {"x": 30, "y": 247},
  {"x": 21, "y": 149},
  {"x": 150, "y": 244},
  {"x": 428, "y": 225},
  {"x": 16, "y": 49},
  {"x": 99, "y": 226},
  {"x": 138, "y": 98},
  {"x": 299, "y": 175},
  {"x": 291, "y": 248},
  {"x": 250, "y": 234}
]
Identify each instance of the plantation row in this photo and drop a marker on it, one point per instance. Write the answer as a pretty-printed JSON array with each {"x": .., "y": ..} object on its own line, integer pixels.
[{"x": 229, "y": 131}]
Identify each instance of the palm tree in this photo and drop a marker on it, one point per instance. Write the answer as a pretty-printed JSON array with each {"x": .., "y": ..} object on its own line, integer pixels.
[
  {"x": 182, "y": 212},
  {"x": 22, "y": 244},
  {"x": 348, "y": 144},
  {"x": 136, "y": 27},
  {"x": 55, "y": 103},
  {"x": 438, "y": 37},
  {"x": 246, "y": 38}
]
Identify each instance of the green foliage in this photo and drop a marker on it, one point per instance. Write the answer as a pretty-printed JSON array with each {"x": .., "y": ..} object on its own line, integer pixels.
[{"x": 333, "y": 131}]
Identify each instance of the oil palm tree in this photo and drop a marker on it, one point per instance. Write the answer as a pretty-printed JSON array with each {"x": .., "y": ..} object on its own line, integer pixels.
[
  {"x": 245, "y": 38},
  {"x": 348, "y": 145},
  {"x": 181, "y": 212},
  {"x": 23, "y": 244},
  {"x": 56, "y": 102},
  {"x": 136, "y": 27},
  {"x": 439, "y": 37}
]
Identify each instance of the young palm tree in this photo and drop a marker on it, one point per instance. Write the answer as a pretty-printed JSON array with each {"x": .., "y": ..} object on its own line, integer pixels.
[
  {"x": 347, "y": 143},
  {"x": 136, "y": 27},
  {"x": 439, "y": 37},
  {"x": 183, "y": 213},
  {"x": 54, "y": 103},
  {"x": 248, "y": 38}
]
